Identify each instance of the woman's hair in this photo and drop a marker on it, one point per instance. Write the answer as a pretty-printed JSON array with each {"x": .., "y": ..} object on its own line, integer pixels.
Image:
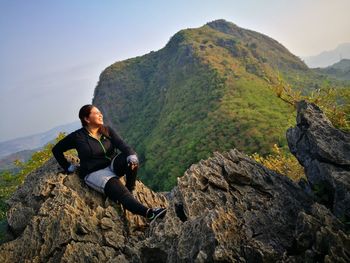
[{"x": 84, "y": 112}]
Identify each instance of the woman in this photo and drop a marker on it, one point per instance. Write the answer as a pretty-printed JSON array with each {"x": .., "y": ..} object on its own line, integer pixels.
[{"x": 100, "y": 166}]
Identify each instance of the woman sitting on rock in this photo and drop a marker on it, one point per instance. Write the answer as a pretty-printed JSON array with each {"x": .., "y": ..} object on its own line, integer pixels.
[{"x": 100, "y": 166}]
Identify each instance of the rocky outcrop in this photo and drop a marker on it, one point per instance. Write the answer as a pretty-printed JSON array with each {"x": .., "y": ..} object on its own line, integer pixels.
[
  {"x": 227, "y": 208},
  {"x": 324, "y": 151},
  {"x": 58, "y": 219}
]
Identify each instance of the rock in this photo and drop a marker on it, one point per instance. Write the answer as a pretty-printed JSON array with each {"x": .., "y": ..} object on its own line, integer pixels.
[
  {"x": 260, "y": 217},
  {"x": 57, "y": 218},
  {"x": 227, "y": 208},
  {"x": 324, "y": 151}
]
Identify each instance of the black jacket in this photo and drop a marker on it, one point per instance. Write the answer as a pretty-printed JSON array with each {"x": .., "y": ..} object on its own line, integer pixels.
[{"x": 93, "y": 154}]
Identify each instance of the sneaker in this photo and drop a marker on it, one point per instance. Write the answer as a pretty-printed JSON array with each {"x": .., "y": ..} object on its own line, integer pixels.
[{"x": 156, "y": 213}]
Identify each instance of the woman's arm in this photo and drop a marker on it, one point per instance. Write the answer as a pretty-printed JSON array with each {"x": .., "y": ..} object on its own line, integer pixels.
[
  {"x": 62, "y": 146},
  {"x": 118, "y": 142}
]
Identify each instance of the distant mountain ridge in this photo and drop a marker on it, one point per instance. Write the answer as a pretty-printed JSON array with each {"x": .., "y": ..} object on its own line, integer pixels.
[
  {"x": 339, "y": 70},
  {"x": 208, "y": 89},
  {"x": 8, "y": 162},
  {"x": 34, "y": 141},
  {"x": 328, "y": 58}
]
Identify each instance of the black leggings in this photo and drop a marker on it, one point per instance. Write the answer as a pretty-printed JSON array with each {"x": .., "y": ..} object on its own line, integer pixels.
[
  {"x": 121, "y": 168},
  {"x": 116, "y": 191}
]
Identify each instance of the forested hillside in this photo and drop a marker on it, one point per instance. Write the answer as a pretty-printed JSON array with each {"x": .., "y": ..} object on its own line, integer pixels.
[{"x": 209, "y": 89}]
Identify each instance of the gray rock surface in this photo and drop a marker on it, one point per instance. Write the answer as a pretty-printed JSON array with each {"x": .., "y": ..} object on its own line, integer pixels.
[
  {"x": 227, "y": 208},
  {"x": 324, "y": 151}
]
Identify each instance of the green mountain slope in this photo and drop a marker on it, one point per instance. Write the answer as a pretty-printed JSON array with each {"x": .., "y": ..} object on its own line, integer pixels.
[{"x": 208, "y": 89}]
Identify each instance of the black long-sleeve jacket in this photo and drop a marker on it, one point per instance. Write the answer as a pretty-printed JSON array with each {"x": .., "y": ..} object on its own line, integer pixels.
[{"x": 93, "y": 154}]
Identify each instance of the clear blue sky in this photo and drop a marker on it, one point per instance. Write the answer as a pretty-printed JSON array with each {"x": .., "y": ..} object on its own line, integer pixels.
[{"x": 52, "y": 52}]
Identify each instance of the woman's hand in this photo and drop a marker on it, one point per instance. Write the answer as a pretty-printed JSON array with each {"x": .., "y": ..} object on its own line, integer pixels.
[
  {"x": 72, "y": 168},
  {"x": 133, "y": 161}
]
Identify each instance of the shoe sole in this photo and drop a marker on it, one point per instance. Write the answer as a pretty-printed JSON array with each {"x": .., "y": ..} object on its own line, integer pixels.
[{"x": 155, "y": 218}]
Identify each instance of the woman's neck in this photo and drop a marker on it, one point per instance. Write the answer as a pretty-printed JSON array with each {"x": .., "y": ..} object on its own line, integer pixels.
[{"x": 93, "y": 130}]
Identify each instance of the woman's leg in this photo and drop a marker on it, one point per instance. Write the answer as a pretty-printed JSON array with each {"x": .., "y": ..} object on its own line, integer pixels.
[
  {"x": 105, "y": 181},
  {"x": 116, "y": 191},
  {"x": 121, "y": 168}
]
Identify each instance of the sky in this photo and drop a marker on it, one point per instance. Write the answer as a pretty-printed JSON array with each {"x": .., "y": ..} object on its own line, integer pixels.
[{"x": 52, "y": 52}]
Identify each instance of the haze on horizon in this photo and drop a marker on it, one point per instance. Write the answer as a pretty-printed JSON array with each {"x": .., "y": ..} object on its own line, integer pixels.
[{"x": 52, "y": 52}]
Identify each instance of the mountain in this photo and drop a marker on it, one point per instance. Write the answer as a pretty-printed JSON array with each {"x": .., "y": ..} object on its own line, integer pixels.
[
  {"x": 7, "y": 162},
  {"x": 209, "y": 89},
  {"x": 227, "y": 208},
  {"x": 339, "y": 70},
  {"x": 328, "y": 58},
  {"x": 34, "y": 141}
]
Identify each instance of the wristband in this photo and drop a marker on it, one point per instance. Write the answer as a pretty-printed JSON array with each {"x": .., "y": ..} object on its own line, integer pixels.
[{"x": 132, "y": 159}]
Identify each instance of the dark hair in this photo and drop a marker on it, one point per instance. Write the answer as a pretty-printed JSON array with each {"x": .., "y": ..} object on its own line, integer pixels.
[{"x": 84, "y": 112}]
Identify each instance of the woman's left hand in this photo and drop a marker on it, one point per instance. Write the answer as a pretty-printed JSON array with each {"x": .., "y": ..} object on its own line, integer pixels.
[{"x": 133, "y": 161}]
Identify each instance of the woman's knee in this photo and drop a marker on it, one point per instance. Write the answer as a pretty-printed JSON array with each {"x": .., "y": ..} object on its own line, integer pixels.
[
  {"x": 114, "y": 189},
  {"x": 121, "y": 158},
  {"x": 119, "y": 164}
]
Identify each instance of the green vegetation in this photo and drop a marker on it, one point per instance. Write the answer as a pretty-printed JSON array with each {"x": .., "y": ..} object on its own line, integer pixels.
[
  {"x": 334, "y": 102},
  {"x": 282, "y": 162}
]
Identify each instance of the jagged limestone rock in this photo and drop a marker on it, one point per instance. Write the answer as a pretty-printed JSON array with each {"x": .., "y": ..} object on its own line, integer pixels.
[
  {"x": 68, "y": 222},
  {"x": 255, "y": 216},
  {"x": 324, "y": 151},
  {"x": 227, "y": 208}
]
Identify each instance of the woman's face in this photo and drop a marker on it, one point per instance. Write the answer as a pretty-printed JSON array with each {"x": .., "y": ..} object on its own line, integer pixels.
[{"x": 95, "y": 118}]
